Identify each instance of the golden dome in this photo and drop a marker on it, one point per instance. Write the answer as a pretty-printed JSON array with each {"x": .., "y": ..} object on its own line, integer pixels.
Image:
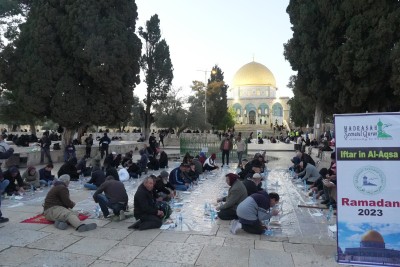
[
  {"x": 372, "y": 236},
  {"x": 254, "y": 74}
]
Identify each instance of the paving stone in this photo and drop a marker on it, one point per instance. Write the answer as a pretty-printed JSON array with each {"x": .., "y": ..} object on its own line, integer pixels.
[
  {"x": 224, "y": 231},
  {"x": 141, "y": 238},
  {"x": 122, "y": 253},
  {"x": 3, "y": 247},
  {"x": 304, "y": 260},
  {"x": 300, "y": 248},
  {"x": 50, "y": 228},
  {"x": 326, "y": 251},
  {"x": 259, "y": 244},
  {"x": 312, "y": 240},
  {"x": 172, "y": 237},
  {"x": 239, "y": 243},
  {"x": 106, "y": 233},
  {"x": 223, "y": 256},
  {"x": 102, "y": 263},
  {"x": 91, "y": 246},
  {"x": 171, "y": 252},
  {"x": 274, "y": 238},
  {"x": 55, "y": 242},
  {"x": 19, "y": 237},
  {"x": 270, "y": 258},
  {"x": 150, "y": 263},
  {"x": 14, "y": 256},
  {"x": 118, "y": 225},
  {"x": 59, "y": 259},
  {"x": 206, "y": 240}
]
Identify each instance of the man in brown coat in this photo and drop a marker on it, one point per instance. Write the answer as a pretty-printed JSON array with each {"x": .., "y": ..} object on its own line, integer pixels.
[{"x": 58, "y": 207}]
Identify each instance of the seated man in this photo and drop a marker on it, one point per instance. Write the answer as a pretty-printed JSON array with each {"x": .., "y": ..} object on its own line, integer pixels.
[
  {"x": 253, "y": 211},
  {"x": 163, "y": 188},
  {"x": 58, "y": 207},
  {"x": 178, "y": 177},
  {"x": 45, "y": 176},
  {"x": 147, "y": 214},
  {"x": 114, "y": 197},
  {"x": 16, "y": 184},
  {"x": 253, "y": 184},
  {"x": 69, "y": 168},
  {"x": 3, "y": 185},
  {"x": 308, "y": 172},
  {"x": 97, "y": 178},
  {"x": 236, "y": 194},
  {"x": 209, "y": 164}
]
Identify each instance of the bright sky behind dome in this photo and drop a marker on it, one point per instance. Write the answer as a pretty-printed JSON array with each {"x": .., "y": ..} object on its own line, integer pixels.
[{"x": 230, "y": 34}]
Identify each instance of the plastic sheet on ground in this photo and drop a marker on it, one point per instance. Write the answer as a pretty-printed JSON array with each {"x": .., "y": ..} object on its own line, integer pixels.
[{"x": 291, "y": 221}]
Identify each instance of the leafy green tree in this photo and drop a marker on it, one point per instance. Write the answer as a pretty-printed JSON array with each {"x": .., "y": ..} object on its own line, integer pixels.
[
  {"x": 217, "y": 105},
  {"x": 75, "y": 62},
  {"x": 170, "y": 112},
  {"x": 228, "y": 121},
  {"x": 364, "y": 62},
  {"x": 301, "y": 112},
  {"x": 312, "y": 52},
  {"x": 138, "y": 113},
  {"x": 157, "y": 66}
]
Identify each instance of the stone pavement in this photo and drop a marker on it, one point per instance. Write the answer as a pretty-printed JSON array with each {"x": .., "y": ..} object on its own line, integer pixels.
[{"x": 304, "y": 239}]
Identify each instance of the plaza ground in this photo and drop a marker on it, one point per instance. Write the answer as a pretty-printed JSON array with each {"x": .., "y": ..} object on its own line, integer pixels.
[{"x": 302, "y": 239}]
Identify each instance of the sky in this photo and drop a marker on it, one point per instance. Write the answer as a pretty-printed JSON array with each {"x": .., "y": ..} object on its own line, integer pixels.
[{"x": 201, "y": 34}]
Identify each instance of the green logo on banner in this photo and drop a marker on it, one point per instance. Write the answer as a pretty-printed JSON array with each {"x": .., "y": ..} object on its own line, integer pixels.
[{"x": 381, "y": 132}]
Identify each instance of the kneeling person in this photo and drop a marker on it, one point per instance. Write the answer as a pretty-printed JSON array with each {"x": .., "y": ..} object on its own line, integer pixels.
[
  {"x": 253, "y": 210},
  {"x": 114, "y": 197},
  {"x": 147, "y": 214},
  {"x": 58, "y": 207}
]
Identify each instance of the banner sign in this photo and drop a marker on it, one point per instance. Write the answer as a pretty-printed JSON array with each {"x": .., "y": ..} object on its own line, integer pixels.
[{"x": 368, "y": 188}]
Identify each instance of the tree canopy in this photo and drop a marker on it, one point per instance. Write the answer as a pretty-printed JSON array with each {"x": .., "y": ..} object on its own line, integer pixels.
[
  {"x": 344, "y": 53},
  {"x": 75, "y": 61},
  {"x": 217, "y": 105},
  {"x": 157, "y": 66}
]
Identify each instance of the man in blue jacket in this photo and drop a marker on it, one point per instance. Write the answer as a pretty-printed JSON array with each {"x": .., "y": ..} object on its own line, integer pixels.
[{"x": 179, "y": 178}]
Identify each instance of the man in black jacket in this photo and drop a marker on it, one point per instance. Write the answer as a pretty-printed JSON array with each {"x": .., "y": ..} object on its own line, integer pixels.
[
  {"x": 147, "y": 214},
  {"x": 253, "y": 184},
  {"x": 104, "y": 142}
]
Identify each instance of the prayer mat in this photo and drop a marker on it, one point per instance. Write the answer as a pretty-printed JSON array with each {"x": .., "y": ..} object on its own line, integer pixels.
[{"x": 40, "y": 219}]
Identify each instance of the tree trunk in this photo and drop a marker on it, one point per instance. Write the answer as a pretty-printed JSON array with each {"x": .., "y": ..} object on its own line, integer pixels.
[
  {"x": 67, "y": 136},
  {"x": 317, "y": 120},
  {"x": 147, "y": 122},
  {"x": 81, "y": 131},
  {"x": 32, "y": 128}
]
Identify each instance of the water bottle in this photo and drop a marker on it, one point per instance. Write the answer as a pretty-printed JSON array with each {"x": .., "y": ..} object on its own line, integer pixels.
[
  {"x": 291, "y": 173},
  {"x": 329, "y": 215},
  {"x": 265, "y": 184},
  {"x": 314, "y": 197},
  {"x": 97, "y": 211},
  {"x": 305, "y": 185},
  {"x": 32, "y": 189},
  {"x": 180, "y": 218},
  {"x": 205, "y": 208},
  {"x": 212, "y": 214}
]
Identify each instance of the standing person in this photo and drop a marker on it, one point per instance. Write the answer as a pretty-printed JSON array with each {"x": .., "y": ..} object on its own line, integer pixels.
[
  {"x": 153, "y": 144},
  {"x": 114, "y": 197},
  {"x": 162, "y": 138},
  {"x": 104, "y": 142},
  {"x": 45, "y": 143},
  {"x": 147, "y": 214},
  {"x": 89, "y": 144},
  {"x": 240, "y": 150},
  {"x": 69, "y": 152},
  {"x": 5, "y": 150},
  {"x": 226, "y": 146},
  {"x": 58, "y": 207}
]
